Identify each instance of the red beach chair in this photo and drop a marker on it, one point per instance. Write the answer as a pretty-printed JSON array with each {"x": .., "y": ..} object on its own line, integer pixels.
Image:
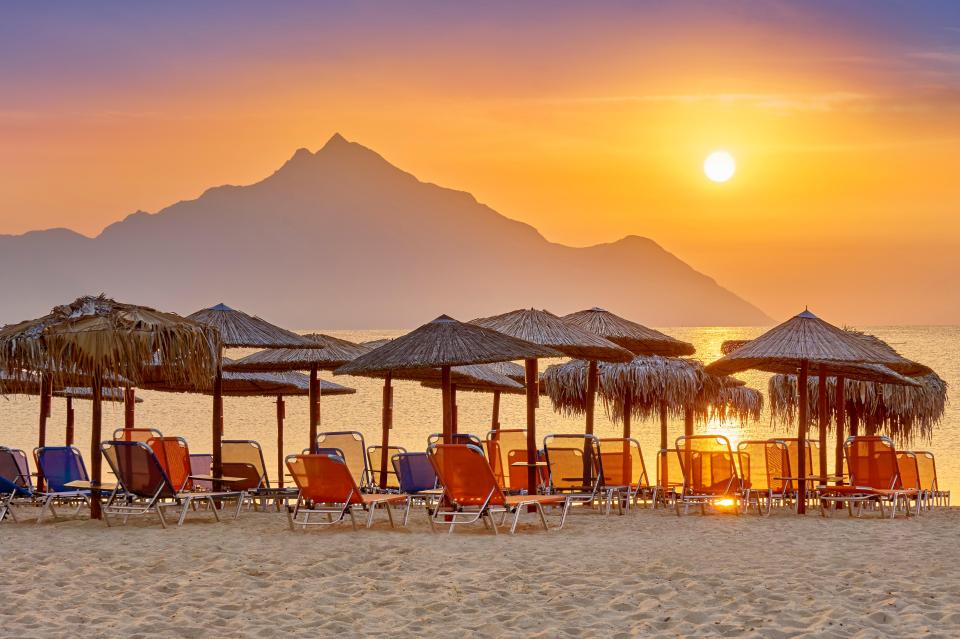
[{"x": 874, "y": 477}]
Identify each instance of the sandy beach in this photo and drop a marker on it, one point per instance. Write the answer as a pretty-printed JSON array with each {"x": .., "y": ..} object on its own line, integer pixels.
[{"x": 645, "y": 574}]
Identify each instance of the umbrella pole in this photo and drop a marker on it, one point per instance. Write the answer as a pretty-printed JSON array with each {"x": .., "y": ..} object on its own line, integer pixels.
[
  {"x": 840, "y": 421},
  {"x": 387, "y": 425},
  {"x": 69, "y": 421},
  {"x": 533, "y": 394},
  {"x": 627, "y": 410},
  {"x": 801, "y": 471},
  {"x": 495, "y": 419},
  {"x": 447, "y": 408},
  {"x": 314, "y": 399},
  {"x": 44, "y": 413},
  {"x": 453, "y": 409},
  {"x": 592, "y": 378},
  {"x": 218, "y": 419},
  {"x": 95, "y": 457},
  {"x": 281, "y": 413},
  {"x": 129, "y": 399},
  {"x": 823, "y": 418},
  {"x": 663, "y": 438}
]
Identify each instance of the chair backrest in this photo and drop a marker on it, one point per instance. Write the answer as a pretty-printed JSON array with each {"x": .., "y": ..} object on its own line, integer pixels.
[
  {"x": 351, "y": 443},
  {"x": 60, "y": 465},
  {"x": 174, "y": 457},
  {"x": 669, "y": 473},
  {"x": 10, "y": 471},
  {"x": 926, "y": 469},
  {"x": 622, "y": 462},
  {"x": 465, "y": 474},
  {"x": 324, "y": 478},
  {"x": 244, "y": 458},
  {"x": 201, "y": 464},
  {"x": 763, "y": 464},
  {"x": 908, "y": 469},
  {"x": 708, "y": 464},
  {"x": 374, "y": 454},
  {"x": 574, "y": 462},
  {"x": 499, "y": 444},
  {"x": 872, "y": 461},
  {"x": 414, "y": 472},
  {"x": 793, "y": 451},
  {"x": 813, "y": 448},
  {"x": 135, "y": 434},
  {"x": 458, "y": 438},
  {"x": 137, "y": 469}
]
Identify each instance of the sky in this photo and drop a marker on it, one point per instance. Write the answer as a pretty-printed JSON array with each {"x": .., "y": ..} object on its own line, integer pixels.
[{"x": 589, "y": 121}]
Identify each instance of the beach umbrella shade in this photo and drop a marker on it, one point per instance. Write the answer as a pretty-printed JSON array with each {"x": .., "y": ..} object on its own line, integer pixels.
[
  {"x": 637, "y": 338},
  {"x": 805, "y": 344},
  {"x": 241, "y": 330},
  {"x": 545, "y": 328},
  {"x": 444, "y": 343},
  {"x": 107, "y": 339}
]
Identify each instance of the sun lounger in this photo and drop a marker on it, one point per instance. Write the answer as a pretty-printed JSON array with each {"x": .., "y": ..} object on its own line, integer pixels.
[
  {"x": 67, "y": 481},
  {"x": 327, "y": 487},
  {"x": 669, "y": 477},
  {"x": 354, "y": 452},
  {"x": 201, "y": 464},
  {"x": 576, "y": 471},
  {"x": 135, "y": 434},
  {"x": 764, "y": 465},
  {"x": 622, "y": 463},
  {"x": 457, "y": 438},
  {"x": 244, "y": 458},
  {"x": 927, "y": 466},
  {"x": 417, "y": 480},
  {"x": 506, "y": 451},
  {"x": 710, "y": 475},
  {"x": 471, "y": 492},
  {"x": 374, "y": 458},
  {"x": 15, "y": 485},
  {"x": 874, "y": 478},
  {"x": 148, "y": 486}
]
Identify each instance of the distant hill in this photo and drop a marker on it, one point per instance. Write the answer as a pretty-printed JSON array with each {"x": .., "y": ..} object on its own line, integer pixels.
[{"x": 342, "y": 238}]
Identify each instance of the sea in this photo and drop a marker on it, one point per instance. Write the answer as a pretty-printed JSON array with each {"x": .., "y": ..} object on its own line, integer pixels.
[{"x": 417, "y": 411}]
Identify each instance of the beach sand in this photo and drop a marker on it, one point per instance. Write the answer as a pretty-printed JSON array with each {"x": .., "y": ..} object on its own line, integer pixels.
[{"x": 644, "y": 574}]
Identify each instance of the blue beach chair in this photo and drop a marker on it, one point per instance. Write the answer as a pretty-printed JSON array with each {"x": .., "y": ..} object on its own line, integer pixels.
[
  {"x": 417, "y": 479},
  {"x": 61, "y": 465}
]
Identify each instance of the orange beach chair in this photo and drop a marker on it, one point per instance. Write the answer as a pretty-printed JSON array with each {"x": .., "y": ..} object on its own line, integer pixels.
[
  {"x": 327, "y": 487},
  {"x": 710, "y": 475},
  {"x": 874, "y": 477},
  {"x": 471, "y": 492}
]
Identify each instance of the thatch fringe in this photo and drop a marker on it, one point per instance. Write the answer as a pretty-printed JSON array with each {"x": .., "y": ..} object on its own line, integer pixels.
[
  {"x": 99, "y": 336},
  {"x": 634, "y": 337}
]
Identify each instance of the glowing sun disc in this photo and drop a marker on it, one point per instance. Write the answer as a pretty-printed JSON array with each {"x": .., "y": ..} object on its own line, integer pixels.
[{"x": 719, "y": 166}]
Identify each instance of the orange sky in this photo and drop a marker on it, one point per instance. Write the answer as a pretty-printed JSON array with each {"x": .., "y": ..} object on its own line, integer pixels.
[{"x": 589, "y": 123}]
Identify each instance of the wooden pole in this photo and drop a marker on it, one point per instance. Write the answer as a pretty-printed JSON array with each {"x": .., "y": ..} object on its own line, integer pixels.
[
  {"x": 387, "y": 420},
  {"x": 627, "y": 410},
  {"x": 447, "y": 407},
  {"x": 823, "y": 418},
  {"x": 45, "y": 388},
  {"x": 129, "y": 403},
  {"x": 593, "y": 376},
  {"x": 314, "y": 399},
  {"x": 281, "y": 414},
  {"x": 495, "y": 419},
  {"x": 95, "y": 456},
  {"x": 688, "y": 421},
  {"x": 70, "y": 422},
  {"x": 453, "y": 409},
  {"x": 533, "y": 396},
  {"x": 218, "y": 419},
  {"x": 840, "y": 424},
  {"x": 854, "y": 423},
  {"x": 663, "y": 438},
  {"x": 801, "y": 472}
]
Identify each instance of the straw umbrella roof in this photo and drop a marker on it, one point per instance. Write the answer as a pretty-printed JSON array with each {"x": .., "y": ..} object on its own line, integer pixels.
[
  {"x": 546, "y": 329},
  {"x": 652, "y": 382},
  {"x": 805, "y": 337},
  {"x": 98, "y": 336},
  {"x": 107, "y": 394},
  {"x": 730, "y": 345},
  {"x": 375, "y": 343},
  {"x": 443, "y": 342},
  {"x": 283, "y": 383},
  {"x": 510, "y": 369},
  {"x": 903, "y": 412},
  {"x": 636, "y": 338},
  {"x": 240, "y": 330},
  {"x": 332, "y": 353}
]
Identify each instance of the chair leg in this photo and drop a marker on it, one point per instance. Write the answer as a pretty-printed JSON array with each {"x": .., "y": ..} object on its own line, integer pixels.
[
  {"x": 373, "y": 508},
  {"x": 543, "y": 517},
  {"x": 163, "y": 522},
  {"x": 353, "y": 520}
]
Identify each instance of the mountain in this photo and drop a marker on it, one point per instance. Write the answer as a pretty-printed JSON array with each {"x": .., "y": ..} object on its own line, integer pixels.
[{"x": 342, "y": 238}]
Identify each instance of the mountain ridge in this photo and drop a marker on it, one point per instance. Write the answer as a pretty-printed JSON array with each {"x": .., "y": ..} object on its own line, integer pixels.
[{"x": 342, "y": 223}]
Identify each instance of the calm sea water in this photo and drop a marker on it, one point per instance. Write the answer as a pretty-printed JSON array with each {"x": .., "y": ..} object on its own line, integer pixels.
[{"x": 417, "y": 409}]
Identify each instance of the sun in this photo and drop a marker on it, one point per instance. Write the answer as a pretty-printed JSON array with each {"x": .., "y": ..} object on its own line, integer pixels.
[{"x": 719, "y": 166}]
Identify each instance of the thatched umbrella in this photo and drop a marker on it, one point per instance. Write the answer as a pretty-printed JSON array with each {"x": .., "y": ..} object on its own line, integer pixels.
[
  {"x": 327, "y": 353},
  {"x": 545, "y": 328},
  {"x": 805, "y": 344},
  {"x": 102, "y": 338},
  {"x": 240, "y": 330},
  {"x": 639, "y": 340},
  {"x": 375, "y": 343},
  {"x": 444, "y": 343}
]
